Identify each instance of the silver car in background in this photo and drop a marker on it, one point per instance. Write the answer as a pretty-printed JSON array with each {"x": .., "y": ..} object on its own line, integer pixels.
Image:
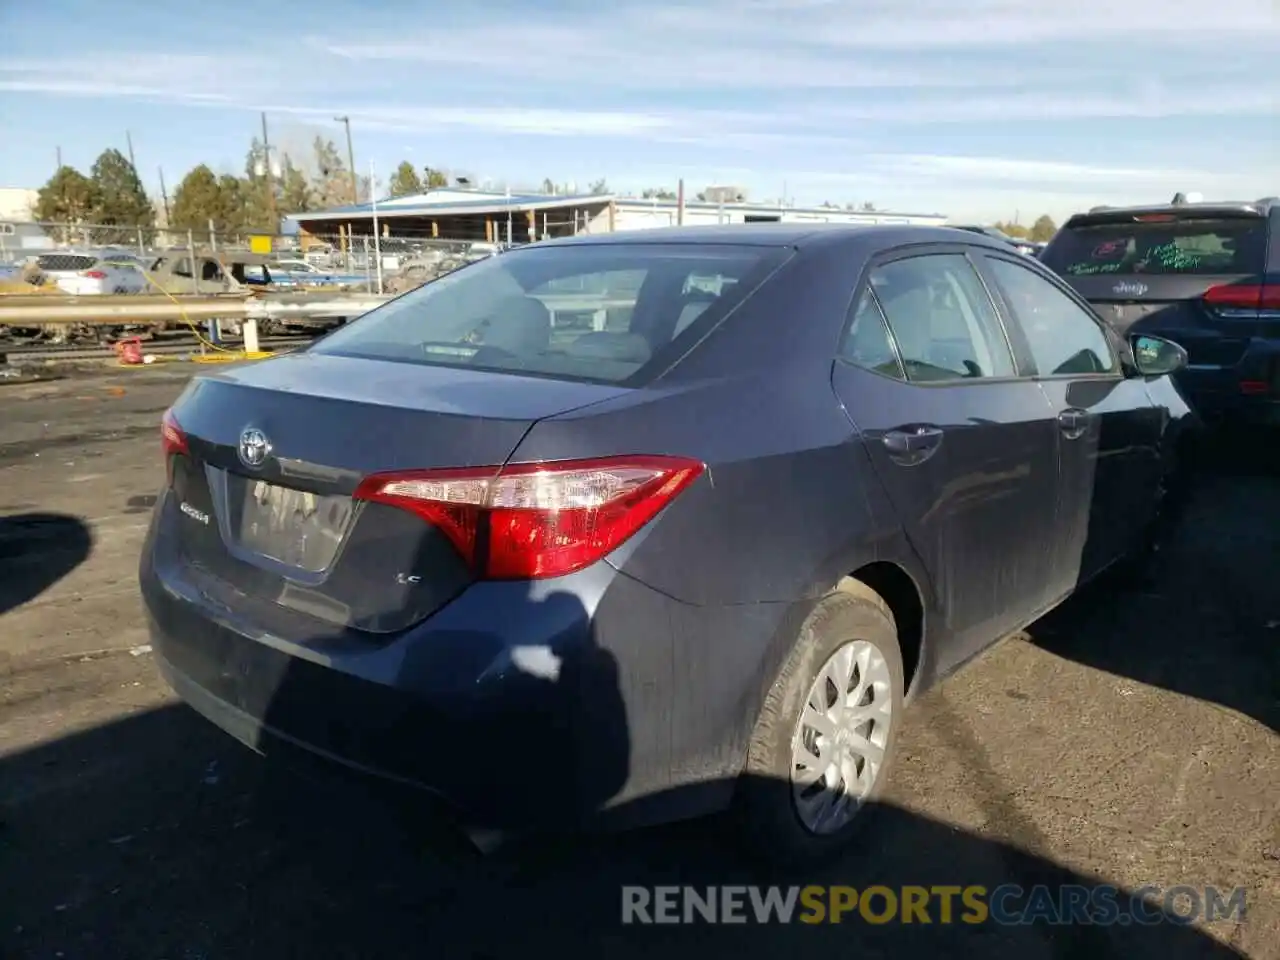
[{"x": 93, "y": 272}]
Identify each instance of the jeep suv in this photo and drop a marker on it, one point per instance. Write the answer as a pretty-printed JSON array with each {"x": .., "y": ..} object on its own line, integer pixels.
[{"x": 1206, "y": 275}]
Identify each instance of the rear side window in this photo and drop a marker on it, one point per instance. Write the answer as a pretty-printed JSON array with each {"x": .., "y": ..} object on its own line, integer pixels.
[
  {"x": 608, "y": 312},
  {"x": 65, "y": 261},
  {"x": 866, "y": 342},
  {"x": 1178, "y": 246}
]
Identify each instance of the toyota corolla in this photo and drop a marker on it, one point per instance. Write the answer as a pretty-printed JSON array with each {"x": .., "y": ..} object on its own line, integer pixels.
[{"x": 621, "y": 529}]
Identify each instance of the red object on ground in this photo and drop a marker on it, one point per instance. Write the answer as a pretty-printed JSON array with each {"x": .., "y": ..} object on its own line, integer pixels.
[{"x": 129, "y": 351}]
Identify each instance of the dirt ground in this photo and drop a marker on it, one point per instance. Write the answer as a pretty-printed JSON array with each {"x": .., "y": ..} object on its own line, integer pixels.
[{"x": 1130, "y": 738}]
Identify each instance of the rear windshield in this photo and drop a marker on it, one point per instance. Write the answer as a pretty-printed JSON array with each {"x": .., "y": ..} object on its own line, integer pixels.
[
  {"x": 1176, "y": 247},
  {"x": 611, "y": 312},
  {"x": 65, "y": 261}
]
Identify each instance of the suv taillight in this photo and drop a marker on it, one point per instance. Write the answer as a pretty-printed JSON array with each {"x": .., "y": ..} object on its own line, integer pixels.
[
  {"x": 94, "y": 275},
  {"x": 1244, "y": 300},
  {"x": 537, "y": 520}
]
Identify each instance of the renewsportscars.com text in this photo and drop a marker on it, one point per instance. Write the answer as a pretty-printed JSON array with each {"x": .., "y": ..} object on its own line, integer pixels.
[{"x": 1009, "y": 904}]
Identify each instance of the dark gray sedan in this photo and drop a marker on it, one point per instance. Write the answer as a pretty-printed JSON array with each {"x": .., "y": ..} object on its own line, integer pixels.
[{"x": 627, "y": 528}]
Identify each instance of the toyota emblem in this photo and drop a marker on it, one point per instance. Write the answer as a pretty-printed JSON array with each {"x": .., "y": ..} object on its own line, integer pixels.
[{"x": 254, "y": 447}]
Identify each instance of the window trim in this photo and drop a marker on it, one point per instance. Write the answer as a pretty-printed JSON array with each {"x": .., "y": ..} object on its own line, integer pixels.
[
  {"x": 1021, "y": 364},
  {"x": 1010, "y": 317}
]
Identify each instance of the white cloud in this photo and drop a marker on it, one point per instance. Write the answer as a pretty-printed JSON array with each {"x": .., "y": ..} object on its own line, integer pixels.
[
  {"x": 1021, "y": 171},
  {"x": 808, "y": 43},
  {"x": 1147, "y": 101},
  {"x": 555, "y": 123},
  {"x": 871, "y": 24},
  {"x": 770, "y": 84}
]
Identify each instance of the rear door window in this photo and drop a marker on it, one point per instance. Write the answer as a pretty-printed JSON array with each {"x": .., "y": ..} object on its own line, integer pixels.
[
  {"x": 607, "y": 312},
  {"x": 1172, "y": 246},
  {"x": 866, "y": 342},
  {"x": 942, "y": 318}
]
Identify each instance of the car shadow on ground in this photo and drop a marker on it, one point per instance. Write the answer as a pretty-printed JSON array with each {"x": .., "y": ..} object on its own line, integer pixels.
[
  {"x": 36, "y": 551},
  {"x": 157, "y": 836},
  {"x": 1204, "y": 619}
]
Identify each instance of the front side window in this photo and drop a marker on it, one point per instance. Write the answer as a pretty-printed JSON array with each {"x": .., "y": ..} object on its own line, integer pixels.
[
  {"x": 1064, "y": 339},
  {"x": 579, "y": 312},
  {"x": 942, "y": 318}
]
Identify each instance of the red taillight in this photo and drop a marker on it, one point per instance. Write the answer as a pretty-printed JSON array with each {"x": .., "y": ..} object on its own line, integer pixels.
[
  {"x": 537, "y": 520},
  {"x": 173, "y": 440},
  {"x": 1231, "y": 296},
  {"x": 1254, "y": 388},
  {"x": 94, "y": 275}
]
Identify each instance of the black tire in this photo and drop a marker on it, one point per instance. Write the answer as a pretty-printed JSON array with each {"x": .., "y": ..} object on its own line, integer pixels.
[{"x": 763, "y": 806}]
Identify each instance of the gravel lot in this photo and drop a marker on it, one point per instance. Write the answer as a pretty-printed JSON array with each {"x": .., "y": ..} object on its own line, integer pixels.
[{"x": 1131, "y": 738}]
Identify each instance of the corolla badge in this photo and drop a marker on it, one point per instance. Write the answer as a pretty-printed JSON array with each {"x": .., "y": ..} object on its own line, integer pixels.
[
  {"x": 254, "y": 447},
  {"x": 1131, "y": 289}
]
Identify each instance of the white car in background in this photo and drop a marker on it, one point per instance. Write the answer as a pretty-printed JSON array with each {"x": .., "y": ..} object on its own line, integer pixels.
[{"x": 91, "y": 273}]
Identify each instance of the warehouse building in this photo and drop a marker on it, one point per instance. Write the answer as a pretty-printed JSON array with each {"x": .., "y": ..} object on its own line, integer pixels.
[{"x": 474, "y": 215}]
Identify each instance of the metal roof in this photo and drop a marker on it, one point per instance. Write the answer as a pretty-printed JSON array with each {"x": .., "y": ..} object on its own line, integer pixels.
[
  {"x": 636, "y": 203},
  {"x": 781, "y": 234},
  {"x": 393, "y": 208},
  {"x": 390, "y": 209}
]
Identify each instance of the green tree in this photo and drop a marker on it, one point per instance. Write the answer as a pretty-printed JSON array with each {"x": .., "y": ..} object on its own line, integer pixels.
[
  {"x": 1015, "y": 230},
  {"x": 198, "y": 200},
  {"x": 598, "y": 187},
  {"x": 1043, "y": 229},
  {"x": 658, "y": 193},
  {"x": 548, "y": 187},
  {"x": 295, "y": 192},
  {"x": 405, "y": 181},
  {"x": 121, "y": 200},
  {"x": 332, "y": 183},
  {"x": 433, "y": 179},
  {"x": 252, "y": 191},
  {"x": 236, "y": 207},
  {"x": 69, "y": 197}
]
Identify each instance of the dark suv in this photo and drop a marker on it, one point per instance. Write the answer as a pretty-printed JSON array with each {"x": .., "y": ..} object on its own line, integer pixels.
[{"x": 1206, "y": 275}]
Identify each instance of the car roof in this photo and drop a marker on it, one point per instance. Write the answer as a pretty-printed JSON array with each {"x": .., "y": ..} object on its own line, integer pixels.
[
  {"x": 797, "y": 235},
  {"x": 1208, "y": 208}
]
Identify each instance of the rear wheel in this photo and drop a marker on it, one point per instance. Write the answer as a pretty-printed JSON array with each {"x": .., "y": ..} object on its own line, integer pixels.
[{"x": 825, "y": 740}]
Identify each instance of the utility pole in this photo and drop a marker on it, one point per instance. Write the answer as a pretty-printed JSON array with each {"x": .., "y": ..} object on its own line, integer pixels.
[
  {"x": 351, "y": 159},
  {"x": 164, "y": 195},
  {"x": 59, "y": 149},
  {"x": 271, "y": 186},
  {"x": 128, "y": 138}
]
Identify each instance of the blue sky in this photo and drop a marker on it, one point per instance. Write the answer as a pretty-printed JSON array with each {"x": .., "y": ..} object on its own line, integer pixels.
[{"x": 975, "y": 108}]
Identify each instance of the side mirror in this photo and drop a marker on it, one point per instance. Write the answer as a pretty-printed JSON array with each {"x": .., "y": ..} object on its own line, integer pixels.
[{"x": 1156, "y": 356}]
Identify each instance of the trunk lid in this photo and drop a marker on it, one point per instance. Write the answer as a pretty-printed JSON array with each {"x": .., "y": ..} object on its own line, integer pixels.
[
  {"x": 262, "y": 500},
  {"x": 1149, "y": 272}
]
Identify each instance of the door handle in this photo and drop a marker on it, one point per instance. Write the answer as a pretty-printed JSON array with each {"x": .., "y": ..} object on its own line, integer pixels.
[
  {"x": 1073, "y": 422},
  {"x": 912, "y": 442}
]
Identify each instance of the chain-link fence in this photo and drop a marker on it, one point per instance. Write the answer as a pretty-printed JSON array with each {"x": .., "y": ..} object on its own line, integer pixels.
[{"x": 204, "y": 261}]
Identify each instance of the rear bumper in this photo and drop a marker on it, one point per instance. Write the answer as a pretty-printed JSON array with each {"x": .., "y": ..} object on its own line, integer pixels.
[
  {"x": 1217, "y": 394},
  {"x": 574, "y": 702}
]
